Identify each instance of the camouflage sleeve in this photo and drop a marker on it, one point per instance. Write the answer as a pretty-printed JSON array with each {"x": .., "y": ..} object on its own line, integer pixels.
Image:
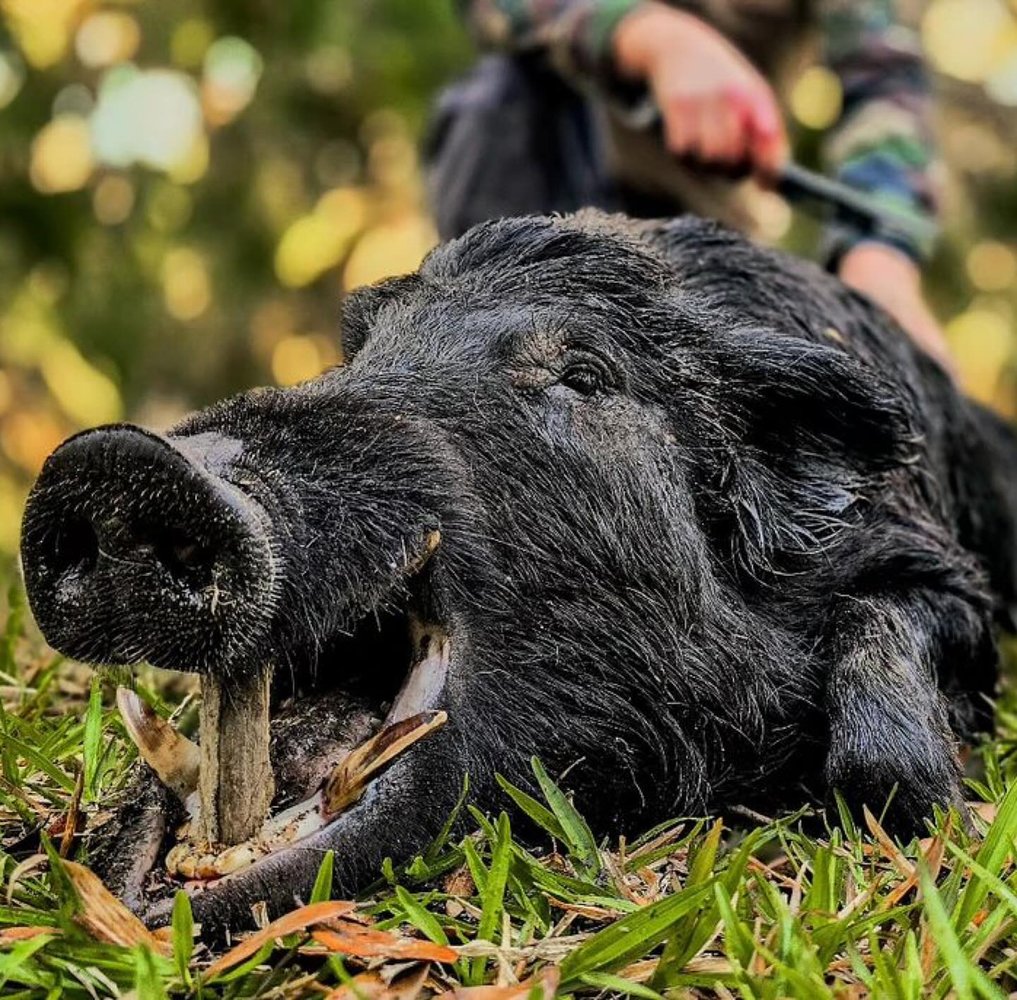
[
  {"x": 883, "y": 141},
  {"x": 573, "y": 34}
]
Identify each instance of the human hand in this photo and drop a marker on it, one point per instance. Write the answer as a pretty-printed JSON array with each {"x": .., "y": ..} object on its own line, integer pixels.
[
  {"x": 892, "y": 280},
  {"x": 717, "y": 109}
]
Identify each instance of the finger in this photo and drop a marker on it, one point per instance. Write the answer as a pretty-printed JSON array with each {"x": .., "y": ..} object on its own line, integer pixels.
[
  {"x": 768, "y": 144},
  {"x": 680, "y": 127},
  {"x": 722, "y": 133}
]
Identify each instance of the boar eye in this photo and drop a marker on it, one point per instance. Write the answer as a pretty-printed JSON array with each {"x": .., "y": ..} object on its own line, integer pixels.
[{"x": 586, "y": 375}]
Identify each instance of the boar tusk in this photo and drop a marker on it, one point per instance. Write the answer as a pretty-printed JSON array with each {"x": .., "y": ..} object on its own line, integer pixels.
[
  {"x": 174, "y": 758},
  {"x": 349, "y": 780},
  {"x": 425, "y": 683},
  {"x": 416, "y": 563}
]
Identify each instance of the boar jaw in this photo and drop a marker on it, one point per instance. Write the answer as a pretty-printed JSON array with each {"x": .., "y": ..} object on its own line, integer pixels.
[{"x": 313, "y": 792}]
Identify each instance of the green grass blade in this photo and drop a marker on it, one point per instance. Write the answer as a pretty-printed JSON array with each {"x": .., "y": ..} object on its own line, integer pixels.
[
  {"x": 738, "y": 940},
  {"x": 965, "y": 976},
  {"x": 631, "y": 937},
  {"x": 493, "y": 896},
  {"x": 421, "y": 918},
  {"x": 322, "y": 891},
  {"x": 92, "y": 742},
  {"x": 615, "y": 985},
  {"x": 575, "y": 832},
  {"x": 147, "y": 981},
  {"x": 537, "y": 811},
  {"x": 991, "y": 855},
  {"x": 183, "y": 935},
  {"x": 685, "y": 942}
]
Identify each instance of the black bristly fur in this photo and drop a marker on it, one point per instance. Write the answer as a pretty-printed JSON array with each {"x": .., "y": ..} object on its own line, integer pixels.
[{"x": 713, "y": 531}]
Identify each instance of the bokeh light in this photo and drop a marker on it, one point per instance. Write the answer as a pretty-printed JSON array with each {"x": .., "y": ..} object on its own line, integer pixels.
[
  {"x": 296, "y": 359},
  {"x": 232, "y": 69},
  {"x": 992, "y": 266},
  {"x": 151, "y": 117},
  {"x": 982, "y": 338},
  {"x": 12, "y": 75},
  {"x": 62, "y": 155},
  {"x": 106, "y": 38},
  {"x": 816, "y": 98},
  {"x": 42, "y": 27},
  {"x": 967, "y": 39},
  {"x": 113, "y": 200},
  {"x": 186, "y": 284}
]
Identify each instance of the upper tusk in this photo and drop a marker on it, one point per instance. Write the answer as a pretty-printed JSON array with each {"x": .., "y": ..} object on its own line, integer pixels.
[
  {"x": 416, "y": 563},
  {"x": 174, "y": 758}
]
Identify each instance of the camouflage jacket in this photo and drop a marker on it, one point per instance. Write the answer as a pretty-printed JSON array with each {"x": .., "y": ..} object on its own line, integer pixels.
[{"x": 882, "y": 141}]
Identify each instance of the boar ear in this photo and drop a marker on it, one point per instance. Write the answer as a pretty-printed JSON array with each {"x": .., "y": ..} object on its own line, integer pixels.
[
  {"x": 809, "y": 431},
  {"x": 360, "y": 311}
]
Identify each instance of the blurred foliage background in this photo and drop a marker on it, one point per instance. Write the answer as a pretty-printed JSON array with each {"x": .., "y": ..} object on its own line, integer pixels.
[{"x": 187, "y": 189}]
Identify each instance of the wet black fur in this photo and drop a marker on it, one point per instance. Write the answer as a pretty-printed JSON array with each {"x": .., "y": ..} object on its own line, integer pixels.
[{"x": 713, "y": 531}]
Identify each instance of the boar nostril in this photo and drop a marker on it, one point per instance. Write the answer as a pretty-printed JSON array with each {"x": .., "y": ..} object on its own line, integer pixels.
[
  {"x": 134, "y": 550},
  {"x": 75, "y": 546},
  {"x": 185, "y": 558}
]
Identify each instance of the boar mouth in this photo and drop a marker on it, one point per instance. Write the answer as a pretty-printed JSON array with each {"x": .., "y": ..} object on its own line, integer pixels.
[{"x": 392, "y": 698}]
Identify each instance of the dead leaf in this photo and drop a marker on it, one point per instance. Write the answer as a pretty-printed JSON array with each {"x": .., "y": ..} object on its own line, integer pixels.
[
  {"x": 21, "y": 869},
  {"x": 986, "y": 811},
  {"x": 73, "y": 816},
  {"x": 599, "y": 913},
  {"x": 103, "y": 916},
  {"x": 372, "y": 986},
  {"x": 889, "y": 848},
  {"x": 290, "y": 923},
  {"x": 365, "y": 942},
  {"x": 9, "y": 935},
  {"x": 347, "y": 782},
  {"x": 546, "y": 981}
]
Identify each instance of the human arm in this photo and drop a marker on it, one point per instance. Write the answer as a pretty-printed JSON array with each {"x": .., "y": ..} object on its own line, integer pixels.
[{"x": 716, "y": 108}]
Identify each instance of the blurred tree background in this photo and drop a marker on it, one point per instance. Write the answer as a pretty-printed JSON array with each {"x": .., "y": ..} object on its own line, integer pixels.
[{"x": 187, "y": 189}]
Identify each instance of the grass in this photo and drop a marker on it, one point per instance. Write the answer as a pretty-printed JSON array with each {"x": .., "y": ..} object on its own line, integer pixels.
[{"x": 788, "y": 908}]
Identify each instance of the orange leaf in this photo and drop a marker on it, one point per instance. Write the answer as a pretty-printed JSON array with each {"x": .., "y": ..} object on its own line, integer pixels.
[
  {"x": 105, "y": 917},
  {"x": 290, "y": 923},
  {"x": 372, "y": 986},
  {"x": 546, "y": 981},
  {"x": 363, "y": 942},
  {"x": 8, "y": 935}
]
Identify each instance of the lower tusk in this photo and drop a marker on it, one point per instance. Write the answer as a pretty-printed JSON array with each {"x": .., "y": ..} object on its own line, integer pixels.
[
  {"x": 174, "y": 758},
  {"x": 348, "y": 781}
]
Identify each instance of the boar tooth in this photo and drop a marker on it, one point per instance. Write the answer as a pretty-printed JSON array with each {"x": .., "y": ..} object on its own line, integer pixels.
[
  {"x": 179, "y": 859},
  {"x": 425, "y": 682},
  {"x": 347, "y": 783},
  {"x": 431, "y": 542},
  {"x": 174, "y": 758}
]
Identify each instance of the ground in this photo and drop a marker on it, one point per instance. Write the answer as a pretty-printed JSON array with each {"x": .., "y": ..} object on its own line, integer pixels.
[{"x": 748, "y": 906}]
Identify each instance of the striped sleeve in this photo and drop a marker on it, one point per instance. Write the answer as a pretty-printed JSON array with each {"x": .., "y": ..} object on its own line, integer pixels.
[{"x": 883, "y": 142}]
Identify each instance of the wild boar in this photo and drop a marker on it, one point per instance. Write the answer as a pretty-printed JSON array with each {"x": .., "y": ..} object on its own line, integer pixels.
[{"x": 683, "y": 517}]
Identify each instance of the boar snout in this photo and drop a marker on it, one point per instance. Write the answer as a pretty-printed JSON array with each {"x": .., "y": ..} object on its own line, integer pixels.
[{"x": 134, "y": 549}]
